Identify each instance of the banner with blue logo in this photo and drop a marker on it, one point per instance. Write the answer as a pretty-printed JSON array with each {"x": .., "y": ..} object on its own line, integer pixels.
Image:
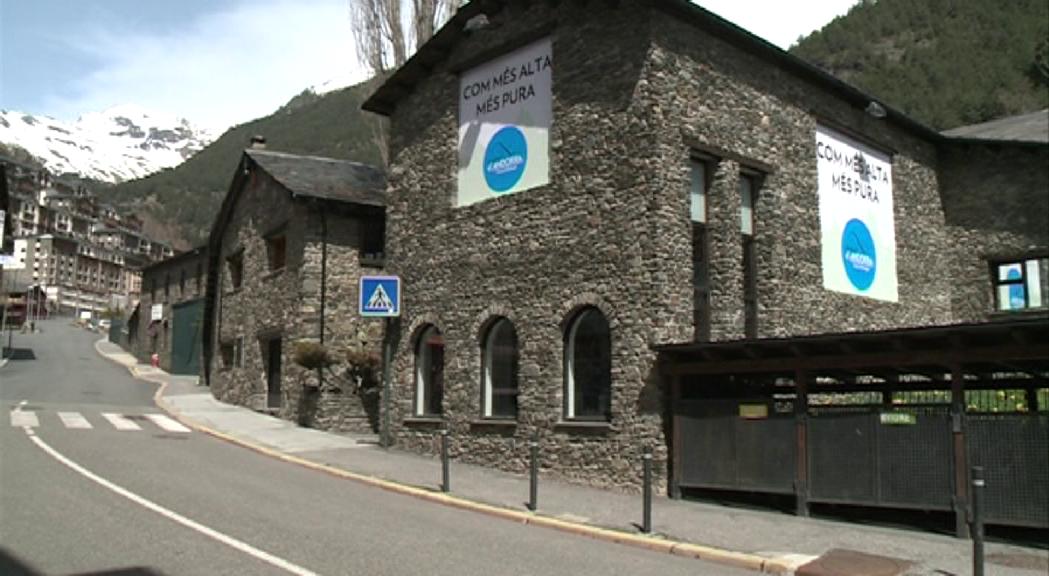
[
  {"x": 857, "y": 226},
  {"x": 504, "y": 124}
]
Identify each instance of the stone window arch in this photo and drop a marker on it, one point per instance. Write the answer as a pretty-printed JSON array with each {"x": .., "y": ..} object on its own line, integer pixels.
[
  {"x": 588, "y": 366},
  {"x": 429, "y": 372},
  {"x": 499, "y": 372}
]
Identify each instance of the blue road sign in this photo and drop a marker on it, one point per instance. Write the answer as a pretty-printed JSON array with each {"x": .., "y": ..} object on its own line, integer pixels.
[{"x": 380, "y": 296}]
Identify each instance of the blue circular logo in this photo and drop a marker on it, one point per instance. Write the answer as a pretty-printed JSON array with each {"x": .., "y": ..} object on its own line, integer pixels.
[
  {"x": 505, "y": 159},
  {"x": 858, "y": 254}
]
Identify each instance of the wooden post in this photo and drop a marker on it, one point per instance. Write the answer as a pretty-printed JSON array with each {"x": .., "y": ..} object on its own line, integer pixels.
[
  {"x": 961, "y": 464},
  {"x": 801, "y": 464},
  {"x": 675, "y": 437}
]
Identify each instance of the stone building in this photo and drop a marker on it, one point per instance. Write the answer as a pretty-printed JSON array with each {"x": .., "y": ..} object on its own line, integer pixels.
[
  {"x": 293, "y": 237},
  {"x": 571, "y": 188},
  {"x": 169, "y": 319}
]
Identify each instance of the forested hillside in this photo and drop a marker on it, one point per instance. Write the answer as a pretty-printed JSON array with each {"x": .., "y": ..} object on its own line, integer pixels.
[
  {"x": 179, "y": 204},
  {"x": 946, "y": 63}
]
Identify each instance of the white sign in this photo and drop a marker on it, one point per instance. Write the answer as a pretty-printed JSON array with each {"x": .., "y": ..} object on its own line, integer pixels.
[
  {"x": 156, "y": 312},
  {"x": 85, "y": 315},
  {"x": 857, "y": 230},
  {"x": 504, "y": 124}
]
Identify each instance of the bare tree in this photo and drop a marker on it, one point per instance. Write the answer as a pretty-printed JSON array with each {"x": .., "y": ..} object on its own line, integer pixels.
[{"x": 385, "y": 37}]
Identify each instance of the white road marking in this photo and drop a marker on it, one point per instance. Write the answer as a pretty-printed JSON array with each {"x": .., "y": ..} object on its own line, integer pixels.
[
  {"x": 174, "y": 516},
  {"x": 21, "y": 419},
  {"x": 120, "y": 422},
  {"x": 74, "y": 420},
  {"x": 166, "y": 423}
]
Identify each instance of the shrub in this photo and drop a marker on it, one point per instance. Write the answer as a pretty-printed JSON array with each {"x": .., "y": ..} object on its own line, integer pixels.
[{"x": 312, "y": 355}]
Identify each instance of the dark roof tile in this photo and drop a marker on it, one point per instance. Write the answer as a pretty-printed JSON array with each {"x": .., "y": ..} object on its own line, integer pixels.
[{"x": 326, "y": 178}]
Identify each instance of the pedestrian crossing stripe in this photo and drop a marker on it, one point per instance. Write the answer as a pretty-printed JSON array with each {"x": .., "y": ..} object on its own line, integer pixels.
[
  {"x": 74, "y": 420},
  {"x": 77, "y": 421},
  {"x": 121, "y": 422}
]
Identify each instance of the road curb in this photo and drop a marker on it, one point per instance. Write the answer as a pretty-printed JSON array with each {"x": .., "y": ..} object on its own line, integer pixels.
[{"x": 707, "y": 553}]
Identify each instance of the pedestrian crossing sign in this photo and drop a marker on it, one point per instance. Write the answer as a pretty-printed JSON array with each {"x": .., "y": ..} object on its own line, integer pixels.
[{"x": 380, "y": 296}]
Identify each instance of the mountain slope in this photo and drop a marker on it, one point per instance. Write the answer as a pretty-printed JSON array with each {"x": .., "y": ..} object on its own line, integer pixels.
[
  {"x": 944, "y": 62},
  {"x": 188, "y": 197},
  {"x": 121, "y": 143}
]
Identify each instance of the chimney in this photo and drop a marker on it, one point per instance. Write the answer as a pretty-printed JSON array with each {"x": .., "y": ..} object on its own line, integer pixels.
[{"x": 258, "y": 142}]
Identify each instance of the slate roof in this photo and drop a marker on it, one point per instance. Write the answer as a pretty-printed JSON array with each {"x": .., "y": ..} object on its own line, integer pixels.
[
  {"x": 1032, "y": 127},
  {"x": 325, "y": 178}
]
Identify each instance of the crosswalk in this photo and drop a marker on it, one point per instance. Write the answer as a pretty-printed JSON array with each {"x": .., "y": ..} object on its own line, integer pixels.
[{"x": 104, "y": 420}]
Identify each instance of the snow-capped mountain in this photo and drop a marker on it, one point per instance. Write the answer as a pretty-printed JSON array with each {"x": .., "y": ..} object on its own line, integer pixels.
[{"x": 121, "y": 143}]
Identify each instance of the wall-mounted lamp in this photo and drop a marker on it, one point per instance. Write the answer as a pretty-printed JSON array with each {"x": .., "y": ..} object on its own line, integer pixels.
[{"x": 875, "y": 110}]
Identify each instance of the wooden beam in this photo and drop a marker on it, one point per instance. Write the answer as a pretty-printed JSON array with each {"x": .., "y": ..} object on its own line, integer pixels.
[{"x": 898, "y": 360}]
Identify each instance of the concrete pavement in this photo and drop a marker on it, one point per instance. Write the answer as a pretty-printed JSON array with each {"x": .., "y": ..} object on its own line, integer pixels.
[{"x": 759, "y": 540}]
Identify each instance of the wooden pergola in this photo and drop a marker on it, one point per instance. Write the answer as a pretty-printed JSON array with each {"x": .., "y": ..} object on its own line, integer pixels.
[{"x": 1012, "y": 354}]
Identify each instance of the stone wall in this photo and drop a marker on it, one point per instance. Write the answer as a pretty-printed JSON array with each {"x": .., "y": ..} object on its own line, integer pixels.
[
  {"x": 702, "y": 94},
  {"x": 635, "y": 92},
  {"x": 285, "y": 303},
  {"x": 178, "y": 280},
  {"x": 996, "y": 201}
]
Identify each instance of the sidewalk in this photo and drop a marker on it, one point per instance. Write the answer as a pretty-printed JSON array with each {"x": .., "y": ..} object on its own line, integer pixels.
[{"x": 761, "y": 540}]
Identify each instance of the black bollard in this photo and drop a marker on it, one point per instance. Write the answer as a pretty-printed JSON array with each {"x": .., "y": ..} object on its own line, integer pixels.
[
  {"x": 446, "y": 483},
  {"x": 977, "y": 527},
  {"x": 646, "y": 515},
  {"x": 533, "y": 472}
]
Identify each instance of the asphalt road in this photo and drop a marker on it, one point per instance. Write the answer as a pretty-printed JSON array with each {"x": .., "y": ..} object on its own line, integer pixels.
[{"x": 148, "y": 501}]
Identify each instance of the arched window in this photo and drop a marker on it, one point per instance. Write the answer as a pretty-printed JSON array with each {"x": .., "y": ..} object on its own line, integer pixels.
[
  {"x": 500, "y": 370},
  {"x": 588, "y": 367},
  {"x": 429, "y": 372}
]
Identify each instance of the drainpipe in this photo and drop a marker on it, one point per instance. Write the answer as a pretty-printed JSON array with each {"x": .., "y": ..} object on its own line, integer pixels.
[{"x": 324, "y": 283}]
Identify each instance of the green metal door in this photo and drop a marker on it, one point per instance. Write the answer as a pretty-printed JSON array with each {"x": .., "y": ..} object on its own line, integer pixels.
[{"x": 187, "y": 320}]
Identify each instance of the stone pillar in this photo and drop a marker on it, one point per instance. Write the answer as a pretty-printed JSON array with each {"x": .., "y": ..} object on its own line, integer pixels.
[{"x": 726, "y": 253}]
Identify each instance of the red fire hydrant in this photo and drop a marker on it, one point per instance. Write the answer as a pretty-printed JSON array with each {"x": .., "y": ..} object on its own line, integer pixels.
[{"x": 154, "y": 360}]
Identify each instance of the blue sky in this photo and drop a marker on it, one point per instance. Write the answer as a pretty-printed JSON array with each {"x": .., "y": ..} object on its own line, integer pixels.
[{"x": 222, "y": 62}]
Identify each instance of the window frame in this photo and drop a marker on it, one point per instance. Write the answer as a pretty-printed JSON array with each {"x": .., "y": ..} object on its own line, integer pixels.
[
  {"x": 429, "y": 392},
  {"x": 488, "y": 388},
  {"x": 1036, "y": 283},
  {"x": 750, "y": 183},
  {"x": 701, "y": 313},
  {"x": 571, "y": 387}
]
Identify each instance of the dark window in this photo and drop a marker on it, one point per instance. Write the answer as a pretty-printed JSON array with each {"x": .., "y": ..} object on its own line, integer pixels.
[
  {"x": 167, "y": 285},
  {"x": 276, "y": 250},
  {"x": 182, "y": 283},
  {"x": 235, "y": 264},
  {"x": 1021, "y": 284},
  {"x": 500, "y": 370},
  {"x": 588, "y": 367},
  {"x": 373, "y": 240},
  {"x": 748, "y": 188},
  {"x": 429, "y": 373},
  {"x": 227, "y": 351}
]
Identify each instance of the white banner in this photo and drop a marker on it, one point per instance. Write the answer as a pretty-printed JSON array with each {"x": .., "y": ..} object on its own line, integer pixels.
[
  {"x": 156, "y": 312},
  {"x": 504, "y": 124},
  {"x": 857, "y": 230}
]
